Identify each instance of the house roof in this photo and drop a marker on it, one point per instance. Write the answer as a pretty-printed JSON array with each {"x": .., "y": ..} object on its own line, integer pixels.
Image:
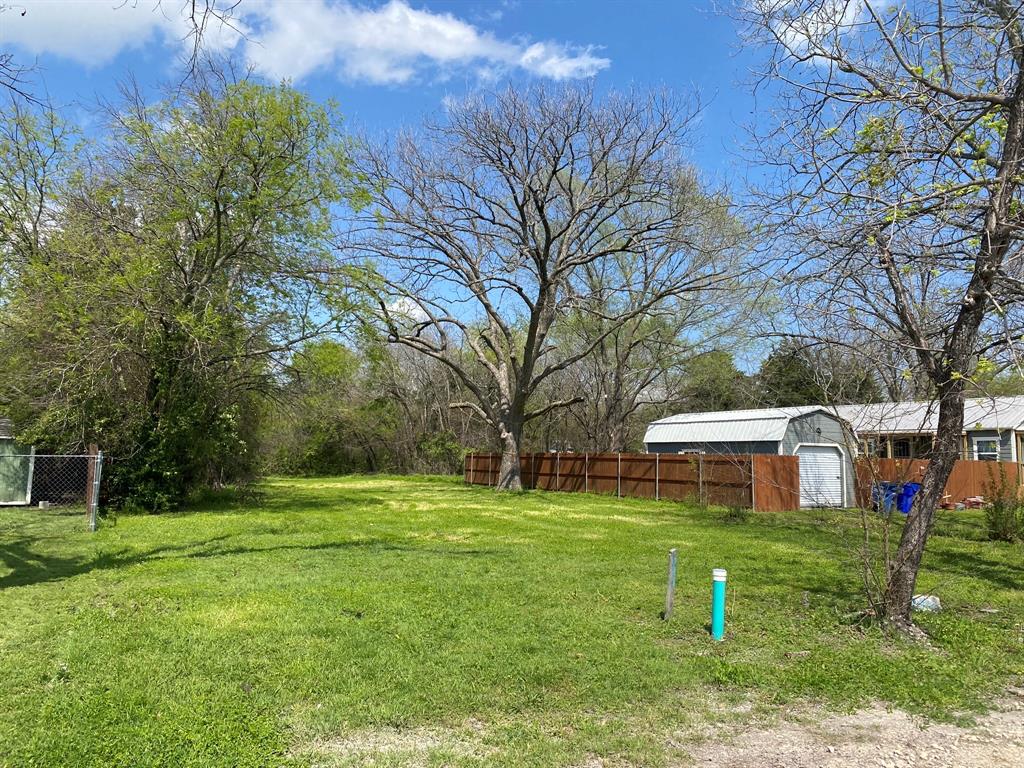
[
  {"x": 922, "y": 417},
  {"x": 762, "y": 424}
]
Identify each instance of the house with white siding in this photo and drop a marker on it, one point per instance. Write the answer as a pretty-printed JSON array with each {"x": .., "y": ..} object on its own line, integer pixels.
[{"x": 993, "y": 428}]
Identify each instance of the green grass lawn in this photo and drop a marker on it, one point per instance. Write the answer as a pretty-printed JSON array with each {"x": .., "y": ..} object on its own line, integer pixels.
[{"x": 397, "y": 621}]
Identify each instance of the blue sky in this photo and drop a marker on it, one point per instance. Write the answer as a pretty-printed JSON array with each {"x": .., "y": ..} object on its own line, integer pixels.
[{"x": 388, "y": 64}]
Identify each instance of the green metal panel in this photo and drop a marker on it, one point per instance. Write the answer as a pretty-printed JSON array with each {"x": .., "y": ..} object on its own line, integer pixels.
[{"x": 16, "y": 466}]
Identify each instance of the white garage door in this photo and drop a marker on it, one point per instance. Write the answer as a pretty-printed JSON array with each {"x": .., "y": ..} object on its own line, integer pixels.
[{"x": 821, "y": 476}]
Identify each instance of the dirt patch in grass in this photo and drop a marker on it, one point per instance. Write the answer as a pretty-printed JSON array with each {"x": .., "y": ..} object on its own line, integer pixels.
[
  {"x": 876, "y": 737},
  {"x": 739, "y": 733},
  {"x": 410, "y": 747}
]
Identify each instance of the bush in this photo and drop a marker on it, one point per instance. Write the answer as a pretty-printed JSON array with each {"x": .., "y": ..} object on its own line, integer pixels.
[
  {"x": 1004, "y": 520},
  {"x": 1004, "y": 515},
  {"x": 736, "y": 515}
]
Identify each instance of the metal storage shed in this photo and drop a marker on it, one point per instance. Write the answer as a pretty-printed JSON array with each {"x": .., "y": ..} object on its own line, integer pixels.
[
  {"x": 822, "y": 441},
  {"x": 16, "y": 465}
]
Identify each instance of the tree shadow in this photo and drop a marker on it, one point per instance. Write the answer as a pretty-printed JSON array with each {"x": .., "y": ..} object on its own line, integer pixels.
[
  {"x": 970, "y": 565},
  {"x": 29, "y": 566},
  {"x": 296, "y": 499}
]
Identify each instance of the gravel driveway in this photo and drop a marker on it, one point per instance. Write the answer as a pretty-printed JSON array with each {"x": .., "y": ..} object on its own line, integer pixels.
[{"x": 877, "y": 738}]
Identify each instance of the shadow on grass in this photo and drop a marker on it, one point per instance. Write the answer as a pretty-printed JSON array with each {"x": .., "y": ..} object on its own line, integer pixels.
[
  {"x": 971, "y": 565},
  {"x": 296, "y": 500},
  {"x": 28, "y": 566}
]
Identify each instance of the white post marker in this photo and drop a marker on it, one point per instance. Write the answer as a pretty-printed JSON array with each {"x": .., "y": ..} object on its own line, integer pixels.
[{"x": 670, "y": 591}]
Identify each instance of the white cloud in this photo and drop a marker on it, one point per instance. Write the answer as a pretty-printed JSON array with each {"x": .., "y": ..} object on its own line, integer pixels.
[
  {"x": 407, "y": 309},
  {"x": 394, "y": 42},
  {"x": 390, "y": 43},
  {"x": 803, "y": 30},
  {"x": 90, "y": 33},
  {"x": 558, "y": 63},
  {"x": 93, "y": 32}
]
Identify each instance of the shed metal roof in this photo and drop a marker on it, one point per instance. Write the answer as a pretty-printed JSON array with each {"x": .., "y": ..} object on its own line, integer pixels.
[
  {"x": 757, "y": 425},
  {"x": 923, "y": 416}
]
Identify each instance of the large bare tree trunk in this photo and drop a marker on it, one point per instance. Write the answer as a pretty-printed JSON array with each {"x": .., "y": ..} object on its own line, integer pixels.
[{"x": 509, "y": 478}]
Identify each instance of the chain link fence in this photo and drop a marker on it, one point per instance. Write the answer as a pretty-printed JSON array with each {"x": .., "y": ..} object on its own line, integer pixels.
[{"x": 70, "y": 482}]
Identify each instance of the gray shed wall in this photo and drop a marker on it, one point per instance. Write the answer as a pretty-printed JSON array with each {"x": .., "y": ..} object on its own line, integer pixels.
[
  {"x": 804, "y": 429},
  {"x": 717, "y": 449}
]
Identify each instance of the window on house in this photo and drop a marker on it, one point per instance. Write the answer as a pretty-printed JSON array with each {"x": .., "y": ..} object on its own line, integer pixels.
[
  {"x": 986, "y": 449},
  {"x": 901, "y": 449},
  {"x": 923, "y": 448}
]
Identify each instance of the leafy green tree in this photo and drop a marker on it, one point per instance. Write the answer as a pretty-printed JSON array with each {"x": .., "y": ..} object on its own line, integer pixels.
[
  {"x": 712, "y": 382},
  {"x": 186, "y": 260},
  {"x": 36, "y": 156},
  {"x": 788, "y": 378},
  {"x": 794, "y": 374},
  {"x": 331, "y": 421}
]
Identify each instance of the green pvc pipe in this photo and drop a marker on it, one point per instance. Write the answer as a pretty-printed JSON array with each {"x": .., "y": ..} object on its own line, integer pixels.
[{"x": 718, "y": 603}]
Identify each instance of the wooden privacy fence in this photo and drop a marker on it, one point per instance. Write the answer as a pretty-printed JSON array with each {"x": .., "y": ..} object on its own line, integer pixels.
[
  {"x": 968, "y": 478},
  {"x": 765, "y": 482}
]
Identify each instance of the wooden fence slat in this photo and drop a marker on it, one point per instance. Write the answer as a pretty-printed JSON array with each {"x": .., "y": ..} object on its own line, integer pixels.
[
  {"x": 969, "y": 477},
  {"x": 767, "y": 482}
]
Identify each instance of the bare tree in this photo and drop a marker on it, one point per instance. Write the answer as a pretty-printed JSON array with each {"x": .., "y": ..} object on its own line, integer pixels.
[
  {"x": 897, "y": 149},
  {"x": 35, "y": 159},
  {"x": 200, "y": 15},
  {"x": 637, "y": 360},
  {"x": 13, "y": 75},
  {"x": 482, "y": 228}
]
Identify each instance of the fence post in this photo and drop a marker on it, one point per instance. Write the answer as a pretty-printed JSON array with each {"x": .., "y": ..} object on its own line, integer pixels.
[
  {"x": 31, "y": 474},
  {"x": 586, "y": 472},
  {"x": 700, "y": 480},
  {"x": 753, "y": 485},
  {"x": 618, "y": 475},
  {"x": 657, "y": 470},
  {"x": 558, "y": 469},
  {"x": 93, "y": 476},
  {"x": 533, "y": 469}
]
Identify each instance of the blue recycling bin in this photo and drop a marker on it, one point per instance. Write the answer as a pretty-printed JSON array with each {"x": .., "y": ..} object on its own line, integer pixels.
[
  {"x": 905, "y": 498},
  {"x": 884, "y": 496}
]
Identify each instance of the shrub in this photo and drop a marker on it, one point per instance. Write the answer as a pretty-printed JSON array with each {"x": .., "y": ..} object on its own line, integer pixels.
[
  {"x": 1004, "y": 515},
  {"x": 1004, "y": 520},
  {"x": 736, "y": 515}
]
